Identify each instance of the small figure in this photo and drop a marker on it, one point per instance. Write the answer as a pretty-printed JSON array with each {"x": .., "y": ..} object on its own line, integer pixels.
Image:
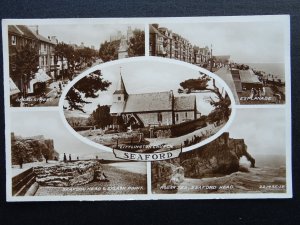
[
  {"x": 70, "y": 158},
  {"x": 252, "y": 93},
  {"x": 21, "y": 162},
  {"x": 65, "y": 158}
]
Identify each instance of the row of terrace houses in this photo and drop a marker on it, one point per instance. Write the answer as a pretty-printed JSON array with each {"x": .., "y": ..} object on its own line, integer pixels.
[
  {"x": 20, "y": 38},
  {"x": 165, "y": 43}
]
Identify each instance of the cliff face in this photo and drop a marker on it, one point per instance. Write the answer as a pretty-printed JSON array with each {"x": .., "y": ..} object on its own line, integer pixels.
[
  {"x": 32, "y": 149},
  {"x": 220, "y": 157},
  {"x": 217, "y": 158}
]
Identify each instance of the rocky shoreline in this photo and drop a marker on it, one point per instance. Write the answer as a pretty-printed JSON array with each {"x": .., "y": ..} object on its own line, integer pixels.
[
  {"x": 219, "y": 158},
  {"x": 119, "y": 182}
]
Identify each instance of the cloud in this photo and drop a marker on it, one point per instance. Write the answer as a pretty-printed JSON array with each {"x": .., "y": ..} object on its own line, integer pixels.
[
  {"x": 244, "y": 41},
  {"x": 262, "y": 129},
  {"x": 49, "y": 124}
]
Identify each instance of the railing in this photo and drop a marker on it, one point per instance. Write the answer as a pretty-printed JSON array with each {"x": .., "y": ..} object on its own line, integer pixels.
[{"x": 22, "y": 182}]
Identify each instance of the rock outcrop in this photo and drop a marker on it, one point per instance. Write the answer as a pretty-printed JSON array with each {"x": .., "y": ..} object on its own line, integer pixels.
[
  {"x": 68, "y": 174},
  {"x": 167, "y": 174},
  {"x": 218, "y": 158},
  {"x": 31, "y": 149}
]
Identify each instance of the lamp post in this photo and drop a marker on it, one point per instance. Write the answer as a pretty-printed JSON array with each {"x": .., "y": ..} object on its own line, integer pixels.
[{"x": 211, "y": 58}]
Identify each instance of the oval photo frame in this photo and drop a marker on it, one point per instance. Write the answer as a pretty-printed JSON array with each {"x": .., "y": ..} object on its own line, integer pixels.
[{"x": 152, "y": 114}]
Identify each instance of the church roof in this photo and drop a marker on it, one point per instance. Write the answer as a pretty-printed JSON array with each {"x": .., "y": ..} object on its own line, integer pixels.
[
  {"x": 147, "y": 102},
  {"x": 121, "y": 87},
  {"x": 185, "y": 103}
]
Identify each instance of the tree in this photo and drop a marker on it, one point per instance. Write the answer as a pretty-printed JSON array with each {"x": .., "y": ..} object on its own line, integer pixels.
[
  {"x": 65, "y": 51},
  {"x": 137, "y": 44},
  {"x": 85, "y": 54},
  {"x": 85, "y": 88},
  {"x": 221, "y": 104},
  {"x": 27, "y": 61},
  {"x": 109, "y": 50},
  {"x": 101, "y": 116}
]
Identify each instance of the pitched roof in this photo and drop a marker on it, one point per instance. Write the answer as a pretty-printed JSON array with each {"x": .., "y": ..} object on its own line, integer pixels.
[
  {"x": 26, "y": 31},
  {"x": 185, "y": 103},
  {"x": 15, "y": 30},
  {"x": 42, "y": 38},
  {"x": 121, "y": 87},
  {"x": 147, "y": 102},
  {"x": 13, "y": 87},
  {"x": 153, "y": 30},
  {"x": 247, "y": 76}
]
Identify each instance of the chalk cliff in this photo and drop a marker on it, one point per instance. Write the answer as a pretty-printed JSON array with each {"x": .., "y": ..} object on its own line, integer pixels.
[
  {"x": 31, "y": 149},
  {"x": 218, "y": 158}
]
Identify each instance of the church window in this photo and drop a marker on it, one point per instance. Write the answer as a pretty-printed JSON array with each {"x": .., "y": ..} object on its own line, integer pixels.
[
  {"x": 185, "y": 114},
  {"x": 176, "y": 117}
]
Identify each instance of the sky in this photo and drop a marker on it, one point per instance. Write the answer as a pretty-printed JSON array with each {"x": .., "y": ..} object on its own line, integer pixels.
[
  {"x": 89, "y": 34},
  {"x": 263, "y": 130},
  {"x": 245, "y": 42},
  {"x": 49, "y": 124},
  {"x": 145, "y": 77}
]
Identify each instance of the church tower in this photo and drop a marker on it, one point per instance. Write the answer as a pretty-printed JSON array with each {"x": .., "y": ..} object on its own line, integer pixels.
[{"x": 120, "y": 95}]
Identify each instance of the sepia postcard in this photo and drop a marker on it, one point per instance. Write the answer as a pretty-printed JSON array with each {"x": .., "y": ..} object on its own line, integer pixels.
[{"x": 147, "y": 108}]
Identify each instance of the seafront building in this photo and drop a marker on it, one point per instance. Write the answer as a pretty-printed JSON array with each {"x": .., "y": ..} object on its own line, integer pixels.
[{"x": 165, "y": 43}]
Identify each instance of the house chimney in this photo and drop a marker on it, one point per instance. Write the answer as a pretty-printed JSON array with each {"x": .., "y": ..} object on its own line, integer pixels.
[
  {"x": 37, "y": 29},
  {"x": 53, "y": 39}
]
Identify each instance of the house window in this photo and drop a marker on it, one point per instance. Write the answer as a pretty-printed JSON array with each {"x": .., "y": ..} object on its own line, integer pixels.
[
  {"x": 159, "y": 117},
  {"x": 13, "y": 40},
  {"x": 119, "y": 98}
]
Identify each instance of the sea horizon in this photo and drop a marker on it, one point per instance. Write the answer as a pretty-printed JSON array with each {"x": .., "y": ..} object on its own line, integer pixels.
[{"x": 276, "y": 69}]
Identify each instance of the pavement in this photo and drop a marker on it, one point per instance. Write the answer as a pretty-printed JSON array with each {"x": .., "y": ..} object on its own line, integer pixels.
[
  {"x": 52, "y": 90},
  {"x": 15, "y": 170}
]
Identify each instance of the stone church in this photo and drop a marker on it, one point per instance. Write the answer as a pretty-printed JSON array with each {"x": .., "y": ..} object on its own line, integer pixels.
[{"x": 151, "y": 109}]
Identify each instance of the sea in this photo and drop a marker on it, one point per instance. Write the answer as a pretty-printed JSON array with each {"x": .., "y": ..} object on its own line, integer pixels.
[
  {"x": 276, "y": 69},
  {"x": 268, "y": 176}
]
